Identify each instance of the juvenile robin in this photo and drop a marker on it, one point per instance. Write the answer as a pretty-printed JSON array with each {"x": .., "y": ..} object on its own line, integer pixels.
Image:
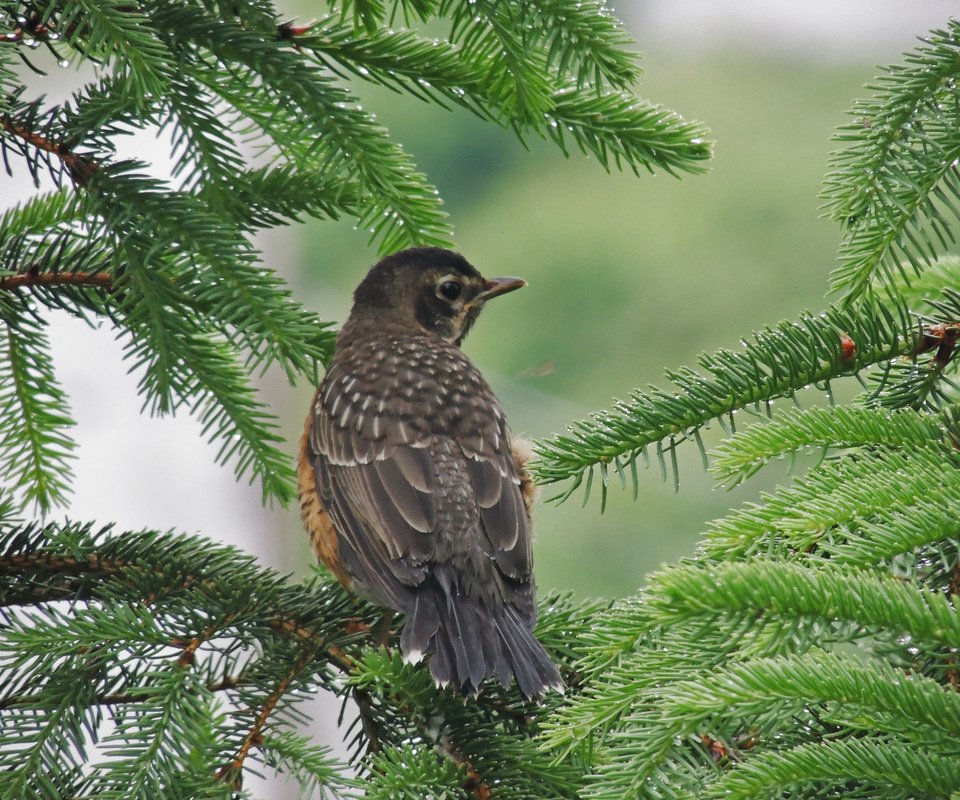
[{"x": 409, "y": 486}]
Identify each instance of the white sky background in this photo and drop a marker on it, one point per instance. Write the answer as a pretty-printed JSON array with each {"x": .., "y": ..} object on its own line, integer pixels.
[
  {"x": 159, "y": 473},
  {"x": 834, "y": 30}
]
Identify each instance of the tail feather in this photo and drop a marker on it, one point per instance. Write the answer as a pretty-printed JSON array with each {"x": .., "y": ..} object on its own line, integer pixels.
[
  {"x": 496, "y": 652},
  {"x": 422, "y": 623},
  {"x": 442, "y": 662},
  {"x": 531, "y": 665},
  {"x": 457, "y": 624},
  {"x": 468, "y": 643}
]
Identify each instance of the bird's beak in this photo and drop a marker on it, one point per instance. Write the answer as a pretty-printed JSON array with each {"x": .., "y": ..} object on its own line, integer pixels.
[{"x": 497, "y": 286}]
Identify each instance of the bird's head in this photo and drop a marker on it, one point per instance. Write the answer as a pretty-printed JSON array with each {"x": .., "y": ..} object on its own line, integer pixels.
[{"x": 427, "y": 290}]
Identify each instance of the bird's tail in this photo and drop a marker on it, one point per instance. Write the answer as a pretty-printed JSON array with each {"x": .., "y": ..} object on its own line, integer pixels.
[{"x": 467, "y": 643}]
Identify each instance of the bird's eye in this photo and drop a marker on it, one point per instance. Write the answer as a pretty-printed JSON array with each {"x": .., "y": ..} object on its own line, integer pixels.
[{"x": 450, "y": 290}]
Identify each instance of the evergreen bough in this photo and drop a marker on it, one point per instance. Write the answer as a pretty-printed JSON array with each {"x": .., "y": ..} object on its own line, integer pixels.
[{"x": 808, "y": 648}]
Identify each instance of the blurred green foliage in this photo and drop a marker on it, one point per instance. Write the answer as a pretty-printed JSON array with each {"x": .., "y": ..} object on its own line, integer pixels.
[{"x": 628, "y": 276}]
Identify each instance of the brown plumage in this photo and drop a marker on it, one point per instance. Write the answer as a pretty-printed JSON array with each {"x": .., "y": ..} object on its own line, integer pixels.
[{"x": 409, "y": 486}]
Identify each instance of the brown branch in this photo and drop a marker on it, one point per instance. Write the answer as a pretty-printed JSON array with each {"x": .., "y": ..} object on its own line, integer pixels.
[
  {"x": 102, "y": 280},
  {"x": 122, "y": 698},
  {"x": 189, "y": 654},
  {"x": 337, "y": 656},
  {"x": 67, "y": 570},
  {"x": 75, "y": 567},
  {"x": 57, "y": 562},
  {"x": 474, "y": 784},
  {"x": 371, "y": 729},
  {"x": 70, "y": 565},
  {"x": 233, "y": 770},
  {"x": 81, "y": 168},
  {"x": 952, "y": 677}
]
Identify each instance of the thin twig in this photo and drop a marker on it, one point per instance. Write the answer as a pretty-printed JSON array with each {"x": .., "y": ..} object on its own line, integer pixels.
[
  {"x": 337, "y": 656},
  {"x": 57, "y": 562},
  {"x": 371, "y": 729},
  {"x": 189, "y": 654},
  {"x": 119, "y": 698},
  {"x": 255, "y": 735},
  {"x": 102, "y": 280},
  {"x": 81, "y": 168},
  {"x": 70, "y": 565},
  {"x": 474, "y": 784}
]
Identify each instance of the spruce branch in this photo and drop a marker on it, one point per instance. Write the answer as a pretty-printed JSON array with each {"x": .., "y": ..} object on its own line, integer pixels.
[
  {"x": 158, "y": 605},
  {"x": 935, "y": 283},
  {"x": 778, "y": 363},
  {"x": 411, "y": 773},
  {"x": 825, "y": 429},
  {"x": 817, "y": 677},
  {"x": 231, "y": 773},
  {"x": 474, "y": 783},
  {"x": 45, "y": 252},
  {"x": 896, "y": 530},
  {"x": 83, "y": 573},
  {"x": 497, "y": 33},
  {"x": 607, "y": 122},
  {"x": 763, "y": 586},
  {"x": 185, "y": 289},
  {"x": 406, "y": 207},
  {"x": 631, "y": 654},
  {"x": 874, "y": 761},
  {"x": 839, "y": 492},
  {"x": 314, "y": 768},
  {"x": 430, "y": 69},
  {"x": 158, "y": 668},
  {"x": 894, "y": 187},
  {"x": 80, "y": 167},
  {"x": 715, "y": 680},
  {"x": 618, "y": 128},
  {"x": 35, "y": 419},
  {"x": 133, "y": 695},
  {"x": 731, "y": 674},
  {"x": 119, "y": 34},
  {"x": 30, "y": 277},
  {"x": 585, "y": 39},
  {"x": 40, "y": 214},
  {"x": 61, "y": 575},
  {"x": 911, "y": 706}
]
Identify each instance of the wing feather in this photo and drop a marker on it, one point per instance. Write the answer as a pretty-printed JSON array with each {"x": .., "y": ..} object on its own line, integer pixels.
[
  {"x": 376, "y": 474},
  {"x": 496, "y": 482},
  {"x": 413, "y": 504}
]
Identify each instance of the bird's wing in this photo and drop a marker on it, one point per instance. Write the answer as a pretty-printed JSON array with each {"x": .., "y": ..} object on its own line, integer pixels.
[
  {"x": 379, "y": 495},
  {"x": 495, "y": 477},
  {"x": 376, "y": 477}
]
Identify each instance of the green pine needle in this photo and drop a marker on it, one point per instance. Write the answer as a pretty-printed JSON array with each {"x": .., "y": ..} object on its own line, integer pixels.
[{"x": 894, "y": 186}]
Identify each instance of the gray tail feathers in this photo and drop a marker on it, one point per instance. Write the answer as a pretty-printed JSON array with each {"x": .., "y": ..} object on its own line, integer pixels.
[{"x": 467, "y": 643}]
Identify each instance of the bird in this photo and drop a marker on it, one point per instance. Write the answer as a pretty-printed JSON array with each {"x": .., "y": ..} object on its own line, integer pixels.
[{"x": 411, "y": 488}]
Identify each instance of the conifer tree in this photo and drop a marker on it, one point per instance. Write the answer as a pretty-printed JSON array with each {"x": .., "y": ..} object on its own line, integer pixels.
[{"x": 809, "y": 647}]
